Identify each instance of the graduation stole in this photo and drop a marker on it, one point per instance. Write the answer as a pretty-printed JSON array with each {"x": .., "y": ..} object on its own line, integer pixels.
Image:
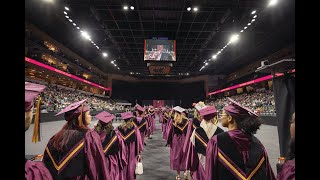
[
  {"x": 139, "y": 127},
  {"x": 66, "y": 159},
  {"x": 105, "y": 149},
  {"x": 125, "y": 137},
  {"x": 235, "y": 170},
  {"x": 181, "y": 127},
  {"x": 203, "y": 141}
]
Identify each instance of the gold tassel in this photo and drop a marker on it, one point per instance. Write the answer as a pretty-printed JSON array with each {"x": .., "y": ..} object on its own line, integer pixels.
[
  {"x": 80, "y": 121},
  {"x": 36, "y": 129},
  {"x": 215, "y": 120}
]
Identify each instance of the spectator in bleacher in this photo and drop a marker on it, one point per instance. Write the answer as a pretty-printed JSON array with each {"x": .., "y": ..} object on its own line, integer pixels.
[
  {"x": 288, "y": 169},
  {"x": 237, "y": 153},
  {"x": 87, "y": 160},
  {"x": 33, "y": 170}
]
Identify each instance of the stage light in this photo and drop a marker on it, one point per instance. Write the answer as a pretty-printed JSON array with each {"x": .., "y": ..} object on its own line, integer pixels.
[
  {"x": 249, "y": 24},
  {"x": 254, "y": 16},
  {"x": 214, "y": 57},
  {"x": 66, "y": 8},
  {"x": 253, "y": 20},
  {"x": 65, "y": 12},
  {"x": 131, "y": 7},
  {"x": 253, "y": 12},
  {"x": 70, "y": 20},
  {"x": 85, "y": 34},
  {"x": 234, "y": 38},
  {"x": 118, "y": 68},
  {"x": 67, "y": 17},
  {"x": 112, "y": 62},
  {"x": 241, "y": 31},
  {"x": 104, "y": 54},
  {"x": 189, "y": 9},
  {"x": 195, "y": 9},
  {"x": 74, "y": 24},
  {"x": 245, "y": 27},
  {"x": 187, "y": 74},
  {"x": 78, "y": 28},
  {"x": 272, "y": 2},
  {"x": 207, "y": 64},
  {"x": 125, "y": 7}
]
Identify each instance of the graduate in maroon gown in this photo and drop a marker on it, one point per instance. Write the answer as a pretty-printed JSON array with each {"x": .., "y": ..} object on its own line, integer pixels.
[
  {"x": 237, "y": 153},
  {"x": 288, "y": 169},
  {"x": 76, "y": 152},
  {"x": 133, "y": 142},
  {"x": 34, "y": 170},
  {"x": 196, "y": 154},
  {"x": 149, "y": 123},
  {"x": 193, "y": 124},
  {"x": 140, "y": 121},
  {"x": 112, "y": 143},
  {"x": 165, "y": 118},
  {"x": 152, "y": 119},
  {"x": 177, "y": 130}
]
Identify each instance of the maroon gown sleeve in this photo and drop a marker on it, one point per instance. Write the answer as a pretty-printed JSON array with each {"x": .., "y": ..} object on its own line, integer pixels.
[
  {"x": 36, "y": 171},
  {"x": 269, "y": 172},
  {"x": 192, "y": 159},
  {"x": 139, "y": 142},
  {"x": 211, "y": 158},
  {"x": 188, "y": 135},
  {"x": 287, "y": 171},
  {"x": 122, "y": 154},
  {"x": 169, "y": 132},
  {"x": 95, "y": 157}
]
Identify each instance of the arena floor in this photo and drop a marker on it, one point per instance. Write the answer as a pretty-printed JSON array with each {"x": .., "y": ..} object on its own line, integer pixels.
[{"x": 155, "y": 156}]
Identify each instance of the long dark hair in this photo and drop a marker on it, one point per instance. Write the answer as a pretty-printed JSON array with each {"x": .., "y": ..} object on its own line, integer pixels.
[
  {"x": 72, "y": 129},
  {"x": 104, "y": 127},
  {"x": 249, "y": 124}
]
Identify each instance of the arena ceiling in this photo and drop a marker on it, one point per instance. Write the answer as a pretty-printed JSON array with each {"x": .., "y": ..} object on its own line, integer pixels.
[{"x": 198, "y": 35}]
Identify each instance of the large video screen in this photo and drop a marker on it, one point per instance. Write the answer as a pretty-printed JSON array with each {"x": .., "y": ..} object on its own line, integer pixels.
[{"x": 159, "y": 50}]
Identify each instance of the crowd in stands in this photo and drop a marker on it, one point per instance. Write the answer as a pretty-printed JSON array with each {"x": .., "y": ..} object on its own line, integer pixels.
[
  {"x": 262, "y": 102},
  {"x": 56, "y": 98}
]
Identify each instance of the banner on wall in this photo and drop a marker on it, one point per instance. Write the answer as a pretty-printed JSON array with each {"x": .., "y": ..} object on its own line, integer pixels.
[{"x": 158, "y": 103}]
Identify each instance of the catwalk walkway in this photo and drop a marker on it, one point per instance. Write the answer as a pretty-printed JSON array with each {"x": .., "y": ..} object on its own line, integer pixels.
[{"x": 156, "y": 159}]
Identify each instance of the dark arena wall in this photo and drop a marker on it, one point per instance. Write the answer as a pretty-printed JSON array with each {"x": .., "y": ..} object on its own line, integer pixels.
[{"x": 183, "y": 94}]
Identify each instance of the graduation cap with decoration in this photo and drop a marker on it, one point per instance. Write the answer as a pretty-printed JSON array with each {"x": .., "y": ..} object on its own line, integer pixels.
[
  {"x": 32, "y": 91},
  {"x": 238, "y": 110},
  {"x": 179, "y": 109},
  {"x": 105, "y": 117},
  {"x": 199, "y": 105}
]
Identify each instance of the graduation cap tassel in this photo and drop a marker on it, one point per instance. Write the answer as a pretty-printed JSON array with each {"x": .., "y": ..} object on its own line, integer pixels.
[
  {"x": 215, "y": 120},
  {"x": 81, "y": 120},
  {"x": 36, "y": 129}
]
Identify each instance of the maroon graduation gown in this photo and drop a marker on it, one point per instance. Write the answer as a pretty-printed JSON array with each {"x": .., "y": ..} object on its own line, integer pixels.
[
  {"x": 114, "y": 150},
  {"x": 237, "y": 155},
  {"x": 36, "y": 171},
  {"x": 83, "y": 158}
]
